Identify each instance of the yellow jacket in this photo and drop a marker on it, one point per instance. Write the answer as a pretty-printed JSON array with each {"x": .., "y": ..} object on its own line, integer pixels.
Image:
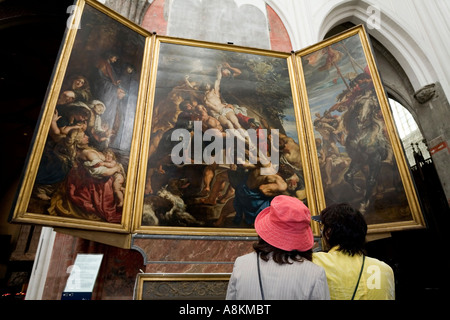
[{"x": 342, "y": 270}]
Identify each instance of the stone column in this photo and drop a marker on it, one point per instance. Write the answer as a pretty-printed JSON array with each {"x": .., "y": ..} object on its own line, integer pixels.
[
  {"x": 41, "y": 264},
  {"x": 433, "y": 116}
]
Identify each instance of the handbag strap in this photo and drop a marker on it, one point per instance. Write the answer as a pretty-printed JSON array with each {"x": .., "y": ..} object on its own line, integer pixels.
[
  {"x": 359, "y": 278},
  {"x": 259, "y": 277}
]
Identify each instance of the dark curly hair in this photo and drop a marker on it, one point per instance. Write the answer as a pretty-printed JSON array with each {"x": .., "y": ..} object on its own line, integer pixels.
[
  {"x": 278, "y": 255},
  {"x": 344, "y": 226}
]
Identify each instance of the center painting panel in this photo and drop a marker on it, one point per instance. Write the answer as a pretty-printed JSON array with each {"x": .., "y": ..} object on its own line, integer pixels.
[{"x": 224, "y": 138}]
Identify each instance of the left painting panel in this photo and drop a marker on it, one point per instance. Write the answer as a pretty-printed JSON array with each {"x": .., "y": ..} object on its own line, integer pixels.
[{"x": 81, "y": 168}]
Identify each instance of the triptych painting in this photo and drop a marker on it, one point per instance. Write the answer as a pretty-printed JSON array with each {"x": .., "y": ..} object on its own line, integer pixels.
[{"x": 142, "y": 133}]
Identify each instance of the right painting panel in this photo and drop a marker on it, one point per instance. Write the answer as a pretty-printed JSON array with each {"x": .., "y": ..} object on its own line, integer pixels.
[{"x": 355, "y": 151}]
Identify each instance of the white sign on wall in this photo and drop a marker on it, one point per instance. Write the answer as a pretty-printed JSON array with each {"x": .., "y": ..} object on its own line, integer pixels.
[{"x": 83, "y": 274}]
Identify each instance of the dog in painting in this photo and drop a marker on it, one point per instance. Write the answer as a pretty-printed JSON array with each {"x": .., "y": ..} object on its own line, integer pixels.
[{"x": 167, "y": 207}]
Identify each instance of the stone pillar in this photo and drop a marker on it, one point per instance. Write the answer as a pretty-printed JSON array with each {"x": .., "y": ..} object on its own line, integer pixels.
[
  {"x": 41, "y": 264},
  {"x": 433, "y": 117}
]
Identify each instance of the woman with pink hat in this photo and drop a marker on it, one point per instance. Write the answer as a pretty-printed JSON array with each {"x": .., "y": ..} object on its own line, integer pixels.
[{"x": 280, "y": 268}]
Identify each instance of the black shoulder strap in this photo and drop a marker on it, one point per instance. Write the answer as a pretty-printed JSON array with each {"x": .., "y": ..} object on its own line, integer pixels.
[
  {"x": 259, "y": 277},
  {"x": 359, "y": 278}
]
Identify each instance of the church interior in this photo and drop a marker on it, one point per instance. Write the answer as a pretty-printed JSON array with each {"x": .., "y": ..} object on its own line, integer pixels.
[{"x": 31, "y": 34}]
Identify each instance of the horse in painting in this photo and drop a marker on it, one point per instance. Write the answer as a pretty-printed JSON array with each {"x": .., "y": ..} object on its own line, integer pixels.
[{"x": 366, "y": 143}]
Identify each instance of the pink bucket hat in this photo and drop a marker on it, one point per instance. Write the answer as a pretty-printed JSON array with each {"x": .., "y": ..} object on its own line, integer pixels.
[{"x": 286, "y": 224}]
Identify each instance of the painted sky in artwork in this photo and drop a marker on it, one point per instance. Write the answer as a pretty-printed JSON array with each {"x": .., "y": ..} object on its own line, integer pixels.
[{"x": 323, "y": 82}]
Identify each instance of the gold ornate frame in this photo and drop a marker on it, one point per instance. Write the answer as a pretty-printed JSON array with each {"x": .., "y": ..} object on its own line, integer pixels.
[
  {"x": 181, "y": 51},
  {"x": 87, "y": 15},
  {"x": 334, "y": 59},
  {"x": 181, "y": 286}
]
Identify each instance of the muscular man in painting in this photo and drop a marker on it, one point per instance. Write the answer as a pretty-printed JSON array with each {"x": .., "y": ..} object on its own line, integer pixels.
[{"x": 253, "y": 193}]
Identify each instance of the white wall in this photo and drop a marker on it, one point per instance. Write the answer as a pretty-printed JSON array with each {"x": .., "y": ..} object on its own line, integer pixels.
[{"x": 416, "y": 32}]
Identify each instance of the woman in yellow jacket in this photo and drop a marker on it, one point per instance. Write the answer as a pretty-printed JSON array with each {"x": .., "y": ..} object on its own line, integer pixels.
[{"x": 350, "y": 274}]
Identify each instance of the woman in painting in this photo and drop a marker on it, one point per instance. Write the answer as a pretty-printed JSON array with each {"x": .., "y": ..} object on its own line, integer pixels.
[
  {"x": 80, "y": 86},
  {"x": 73, "y": 114},
  {"x": 57, "y": 160},
  {"x": 83, "y": 195},
  {"x": 57, "y": 157}
]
